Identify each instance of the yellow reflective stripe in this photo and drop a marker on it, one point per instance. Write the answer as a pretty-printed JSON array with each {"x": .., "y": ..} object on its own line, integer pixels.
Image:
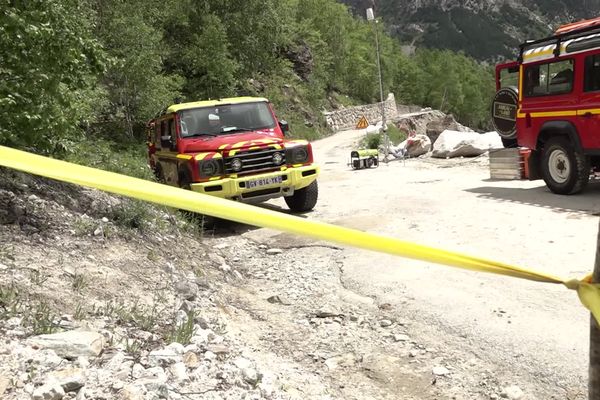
[
  {"x": 201, "y": 156},
  {"x": 254, "y": 148},
  {"x": 592, "y": 111},
  {"x": 239, "y": 144},
  {"x": 184, "y": 156},
  {"x": 573, "y": 113},
  {"x": 221, "y": 147},
  {"x": 169, "y": 196},
  {"x": 521, "y": 68}
]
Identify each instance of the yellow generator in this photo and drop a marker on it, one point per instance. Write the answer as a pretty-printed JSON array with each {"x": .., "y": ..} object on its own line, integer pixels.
[{"x": 367, "y": 158}]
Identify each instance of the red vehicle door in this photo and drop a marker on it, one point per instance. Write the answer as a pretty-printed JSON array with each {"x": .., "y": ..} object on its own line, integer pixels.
[{"x": 588, "y": 115}]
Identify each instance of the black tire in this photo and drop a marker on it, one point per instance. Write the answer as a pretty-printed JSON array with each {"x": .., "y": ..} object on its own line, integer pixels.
[
  {"x": 564, "y": 169},
  {"x": 303, "y": 199},
  {"x": 159, "y": 174},
  {"x": 509, "y": 143}
]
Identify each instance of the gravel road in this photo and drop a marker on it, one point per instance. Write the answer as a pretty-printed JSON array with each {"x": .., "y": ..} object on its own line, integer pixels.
[{"x": 520, "y": 333}]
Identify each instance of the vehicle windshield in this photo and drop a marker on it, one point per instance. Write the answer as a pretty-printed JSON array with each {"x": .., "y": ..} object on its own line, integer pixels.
[{"x": 226, "y": 119}]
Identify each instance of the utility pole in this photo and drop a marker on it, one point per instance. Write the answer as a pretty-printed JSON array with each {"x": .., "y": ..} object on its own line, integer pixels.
[
  {"x": 371, "y": 17},
  {"x": 594, "y": 371}
]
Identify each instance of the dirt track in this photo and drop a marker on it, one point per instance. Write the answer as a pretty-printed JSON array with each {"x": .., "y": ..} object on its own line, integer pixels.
[{"x": 520, "y": 333}]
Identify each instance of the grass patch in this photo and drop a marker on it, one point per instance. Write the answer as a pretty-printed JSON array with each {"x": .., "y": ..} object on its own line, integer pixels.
[
  {"x": 182, "y": 332},
  {"x": 374, "y": 140},
  {"x": 123, "y": 158},
  {"x": 133, "y": 214}
]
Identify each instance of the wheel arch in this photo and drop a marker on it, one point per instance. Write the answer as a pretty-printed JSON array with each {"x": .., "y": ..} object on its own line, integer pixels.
[{"x": 559, "y": 128}]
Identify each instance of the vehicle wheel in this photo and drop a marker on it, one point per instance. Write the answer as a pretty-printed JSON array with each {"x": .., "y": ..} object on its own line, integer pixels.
[
  {"x": 565, "y": 170},
  {"x": 509, "y": 143},
  {"x": 303, "y": 199},
  {"x": 202, "y": 221},
  {"x": 159, "y": 174}
]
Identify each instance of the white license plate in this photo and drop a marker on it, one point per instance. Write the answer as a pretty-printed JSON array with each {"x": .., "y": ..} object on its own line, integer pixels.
[{"x": 273, "y": 180}]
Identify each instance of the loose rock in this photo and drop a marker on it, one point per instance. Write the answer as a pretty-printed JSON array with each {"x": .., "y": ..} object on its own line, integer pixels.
[
  {"x": 71, "y": 344},
  {"x": 440, "y": 371},
  {"x": 511, "y": 393},
  {"x": 51, "y": 391}
]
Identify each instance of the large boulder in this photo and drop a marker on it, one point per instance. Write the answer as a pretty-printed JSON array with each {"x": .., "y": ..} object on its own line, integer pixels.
[
  {"x": 465, "y": 144},
  {"x": 414, "y": 146},
  {"x": 447, "y": 123},
  {"x": 418, "y": 145}
]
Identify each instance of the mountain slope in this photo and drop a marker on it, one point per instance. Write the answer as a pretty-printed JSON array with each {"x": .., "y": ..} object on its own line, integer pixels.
[{"x": 484, "y": 29}]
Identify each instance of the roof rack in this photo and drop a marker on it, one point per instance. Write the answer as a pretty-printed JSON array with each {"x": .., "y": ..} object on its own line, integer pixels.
[{"x": 558, "y": 39}]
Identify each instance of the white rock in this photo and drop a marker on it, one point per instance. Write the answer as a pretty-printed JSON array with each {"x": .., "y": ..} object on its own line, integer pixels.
[
  {"x": 250, "y": 375},
  {"x": 98, "y": 231},
  {"x": 168, "y": 355},
  {"x": 465, "y": 144},
  {"x": 50, "y": 391},
  {"x": 440, "y": 371},
  {"x": 384, "y": 323},
  {"x": 179, "y": 372},
  {"x": 274, "y": 251},
  {"x": 71, "y": 344},
  {"x": 4, "y": 382},
  {"x": 133, "y": 392},
  {"x": 209, "y": 355},
  {"x": 401, "y": 338},
  {"x": 156, "y": 374},
  {"x": 115, "y": 363},
  {"x": 511, "y": 393},
  {"x": 70, "y": 379},
  {"x": 104, "y": 219},
  {"x": 137, "y": 371},
  {"x": 242, "y": 363}
]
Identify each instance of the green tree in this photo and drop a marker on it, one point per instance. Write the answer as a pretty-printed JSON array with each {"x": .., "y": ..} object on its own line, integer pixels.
[{"x": 49, "y": 61}]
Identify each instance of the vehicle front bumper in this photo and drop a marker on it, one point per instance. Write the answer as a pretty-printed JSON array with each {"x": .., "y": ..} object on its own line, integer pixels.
[{"x": 292, "y": 179}]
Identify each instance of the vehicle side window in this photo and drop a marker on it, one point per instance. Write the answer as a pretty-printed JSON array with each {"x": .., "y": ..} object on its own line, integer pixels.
[
  {"x": 509, "y": 77},
  {"x": 172, "y": 131},
  {"x": 549, "y": 79},
  {"x": 592, "y": 73}
]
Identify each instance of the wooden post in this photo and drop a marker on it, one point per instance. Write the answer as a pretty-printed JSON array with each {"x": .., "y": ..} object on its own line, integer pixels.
[{"x": 594, "y": 371}]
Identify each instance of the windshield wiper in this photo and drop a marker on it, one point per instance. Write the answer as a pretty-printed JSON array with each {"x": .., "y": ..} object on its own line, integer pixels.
[
  {"x": 201, "y": 134},
  {"x": 234, "y": 129}
]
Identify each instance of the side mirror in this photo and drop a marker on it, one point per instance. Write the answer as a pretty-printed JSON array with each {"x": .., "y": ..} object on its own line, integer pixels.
[{"x": 285, "y": 127}]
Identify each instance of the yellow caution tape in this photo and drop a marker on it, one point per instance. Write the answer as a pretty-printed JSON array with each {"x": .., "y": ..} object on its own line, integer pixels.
[{"x": 589, "y": 293}]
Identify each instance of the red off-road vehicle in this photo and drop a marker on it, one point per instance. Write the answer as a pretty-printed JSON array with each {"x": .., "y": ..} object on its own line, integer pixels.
[
  {"x": 235, "y": 149},
  {"x": 548, "y": 101}
]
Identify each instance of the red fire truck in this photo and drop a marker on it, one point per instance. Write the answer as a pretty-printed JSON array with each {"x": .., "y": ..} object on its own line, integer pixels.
[
  {"x": 235, "y": 149},
  {"x": 548, "y": 101}
]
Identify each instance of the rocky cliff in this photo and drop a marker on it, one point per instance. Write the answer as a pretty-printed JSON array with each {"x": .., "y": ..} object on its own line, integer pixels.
[{"x": 484, "y": 29}]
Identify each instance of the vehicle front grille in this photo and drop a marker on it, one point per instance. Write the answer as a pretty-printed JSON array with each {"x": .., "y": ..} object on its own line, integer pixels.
[{"x": 253, "y": 160}]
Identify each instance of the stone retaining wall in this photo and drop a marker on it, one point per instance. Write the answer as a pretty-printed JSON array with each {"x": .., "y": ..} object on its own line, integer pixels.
[{"x": 347, "y": 118}]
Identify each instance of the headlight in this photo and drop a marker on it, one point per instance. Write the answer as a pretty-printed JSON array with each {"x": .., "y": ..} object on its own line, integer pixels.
[
  {"x": 297, "y": 155},
  {"x": 210, "y": 168},
  {"x": 278, "y": 158},
  {"x": 236, "y": 164}
]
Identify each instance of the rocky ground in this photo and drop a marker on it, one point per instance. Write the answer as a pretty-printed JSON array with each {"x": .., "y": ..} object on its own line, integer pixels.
[{"x": 104, "y": 298}]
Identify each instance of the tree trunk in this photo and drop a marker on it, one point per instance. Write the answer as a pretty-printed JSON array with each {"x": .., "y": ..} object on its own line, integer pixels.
[{"x": 594, "y": 371}]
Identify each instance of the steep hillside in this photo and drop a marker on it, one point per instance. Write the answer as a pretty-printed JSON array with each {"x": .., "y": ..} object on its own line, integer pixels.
[{"x": 484, "y": 29}]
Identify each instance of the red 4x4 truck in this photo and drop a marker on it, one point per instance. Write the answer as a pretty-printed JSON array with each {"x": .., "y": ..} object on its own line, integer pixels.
[
  {"x": 235, "y": 149},
  {"x": 548, "y": 101}
]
